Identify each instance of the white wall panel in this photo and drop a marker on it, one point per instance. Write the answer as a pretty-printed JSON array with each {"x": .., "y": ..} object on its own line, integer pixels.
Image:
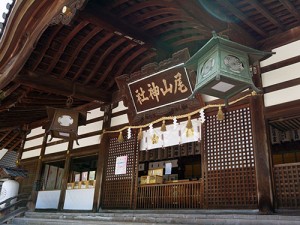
[
  {"x": 118, "y": 120},
  {"x": 83, "y": 142},
  {"x": 119, "y": 108},
  {"x": 281, "y": 75},
  {"x": 30, "y": 154},
  {"x": 35, "y": 132},
  {"x": 91, "y": 127},
  {"x": 56, "y": 148},
  {"x": 53, "y": 139},
  {"x": 34, "y": 142},
  {"x": 282, "y": 53},
  {"x": 94, "y": 114},
  {"x": 282, "y": 96}
]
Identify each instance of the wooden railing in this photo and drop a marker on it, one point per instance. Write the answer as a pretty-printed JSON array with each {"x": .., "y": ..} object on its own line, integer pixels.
[
  {"x": 179, "y": 195},
  {"x": 13, "y": 208}
]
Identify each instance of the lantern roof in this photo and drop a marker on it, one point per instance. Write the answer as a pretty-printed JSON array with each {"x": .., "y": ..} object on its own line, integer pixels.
[{"x": 253, "y": 54}]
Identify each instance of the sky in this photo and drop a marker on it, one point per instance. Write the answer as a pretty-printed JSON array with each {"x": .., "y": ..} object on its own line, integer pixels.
[{"x": 3, "y": 9}]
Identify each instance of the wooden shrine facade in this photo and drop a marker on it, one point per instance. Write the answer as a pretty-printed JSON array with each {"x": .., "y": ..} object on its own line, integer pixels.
[
  {"x": 251, "y": 159},
  {"x": 231, "y": 164}
]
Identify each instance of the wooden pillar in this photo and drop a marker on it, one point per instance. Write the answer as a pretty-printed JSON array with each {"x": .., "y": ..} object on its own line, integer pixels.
[
  {"x": 102, "y": 156},
  {"x": 261, "y": 152},
  {"x": 24, "y": 133},
  {"x": 37, "y": 178},
  {"x": 65, "y": 177},
  {"x": 134, "y": 183}
]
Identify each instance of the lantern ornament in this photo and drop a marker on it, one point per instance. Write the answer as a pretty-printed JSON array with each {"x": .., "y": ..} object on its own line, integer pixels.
[
  {"x": 64, "y": 123},
  {"x": 223, "y": 67}
]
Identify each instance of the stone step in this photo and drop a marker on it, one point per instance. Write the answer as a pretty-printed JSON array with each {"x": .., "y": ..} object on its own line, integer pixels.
[{"x": 144, "y": 217}]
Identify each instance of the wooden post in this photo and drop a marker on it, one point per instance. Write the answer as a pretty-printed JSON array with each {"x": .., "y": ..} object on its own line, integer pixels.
[
  {"x": 261, "y": 153},
  {"x": 102, "y": 155},
  {"x": 65, "y": 177},
  {"x": 38, "y": 173}
]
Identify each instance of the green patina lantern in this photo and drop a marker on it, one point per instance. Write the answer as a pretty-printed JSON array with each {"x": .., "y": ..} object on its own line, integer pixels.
[{"x": 223, "y": 67}]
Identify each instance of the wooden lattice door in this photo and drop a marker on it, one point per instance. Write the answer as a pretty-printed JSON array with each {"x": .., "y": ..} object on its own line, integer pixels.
[
  {"x": 230, "y": 179},
  {"x": 118, "y": 190}
]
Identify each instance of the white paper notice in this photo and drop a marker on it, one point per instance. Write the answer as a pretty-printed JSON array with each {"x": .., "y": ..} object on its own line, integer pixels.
[
  {"x": 168, "y": 168},
  {"x": 121, "y": 164}
]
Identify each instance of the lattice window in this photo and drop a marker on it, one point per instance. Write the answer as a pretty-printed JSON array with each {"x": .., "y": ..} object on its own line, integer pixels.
[
  {"x": 118, "y": 189},
  {"x": 287, "y": 185},
  {"x": 230, "y": 173}
]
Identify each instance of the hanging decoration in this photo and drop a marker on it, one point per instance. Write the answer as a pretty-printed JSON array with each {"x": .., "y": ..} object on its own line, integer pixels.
[
  {"x": 189, "y": 126},
  {"x": 129, "y": 133},
  {"x": 163, "y": 126},
  {"x": 202, "y": 116},
  {"x": 154, "y": 139},
  {"x": 175, "y": 123},
  {"x": 220, "y": 115},
  {"x": 151, "y": 128},
  {"x": 120, "y": 138},
  {"x": 199, "y": 131},
  {"x": 224, "y": 67},
  {"x": 140, "y": 134},
  {"x": 64, "y": 122}
]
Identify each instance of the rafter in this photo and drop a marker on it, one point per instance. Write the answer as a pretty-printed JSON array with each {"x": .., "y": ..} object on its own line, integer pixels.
[
  {"x": 102, "y": 58},
  {"x": 113, "y": 62},
  {"x": 5, "y": 135},
  {"x": 125, "y": 64},
  {"x": 10, "y": 140},
  {"x": 18, "y": 142},
  {"x": 242, "y": 17},
  {"x": 142, "y": 62},
  {"x": 53, "y": 85},
  {"x": 65, "y": 43},
  {"x": 280, "y": 39},
  {"x": 158, "y": 12},
  {"x": 46, "y": 47},
  {"x": 173, "y": 19},
  {"x": 103, "y": 18},
  {"x": 260, "y": 8},
  {"x": 288, "y": 5},
  {"x": 91, "y": 54},
  {"x": 79, "y": 47}
]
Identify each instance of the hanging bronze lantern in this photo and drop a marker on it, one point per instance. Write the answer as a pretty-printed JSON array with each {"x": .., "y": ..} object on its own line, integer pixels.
[
  {"x": 223, "y": 67},
  {"x": 64, "y": 123}
]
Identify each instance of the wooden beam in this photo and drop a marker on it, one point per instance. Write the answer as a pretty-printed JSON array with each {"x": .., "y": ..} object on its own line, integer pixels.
[
  {"x": 79, "y": 47},
  {"x": 288, "y": 5},
  {"x": 280, "y": 39},
  {"x": 62, "y": 87},
  {"x": 10, "y": 140},
  {"x": 236, "y": 12},
  {"x": 101, "y": 17},
  {"x": 265, "y": 12},
  {"x": 65, "y": 43}
]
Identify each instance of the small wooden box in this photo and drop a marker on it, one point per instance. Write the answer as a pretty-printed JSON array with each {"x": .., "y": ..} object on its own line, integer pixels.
[
  {"x": 90, "y": 184},
  {"x": 70, "y": 185},
  {"x": 155, "y": 179},
  {"x": 158, "y": 172},
  {"x": 77, "y": 185},
  {"x": 144, "y": 180}
]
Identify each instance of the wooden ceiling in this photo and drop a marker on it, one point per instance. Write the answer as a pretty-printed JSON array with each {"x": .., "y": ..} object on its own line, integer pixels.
[{"x": 106, "y": 39}]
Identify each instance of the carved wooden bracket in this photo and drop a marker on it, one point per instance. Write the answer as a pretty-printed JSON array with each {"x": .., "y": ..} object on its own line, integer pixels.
[{"x": 68, "y": 12}]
